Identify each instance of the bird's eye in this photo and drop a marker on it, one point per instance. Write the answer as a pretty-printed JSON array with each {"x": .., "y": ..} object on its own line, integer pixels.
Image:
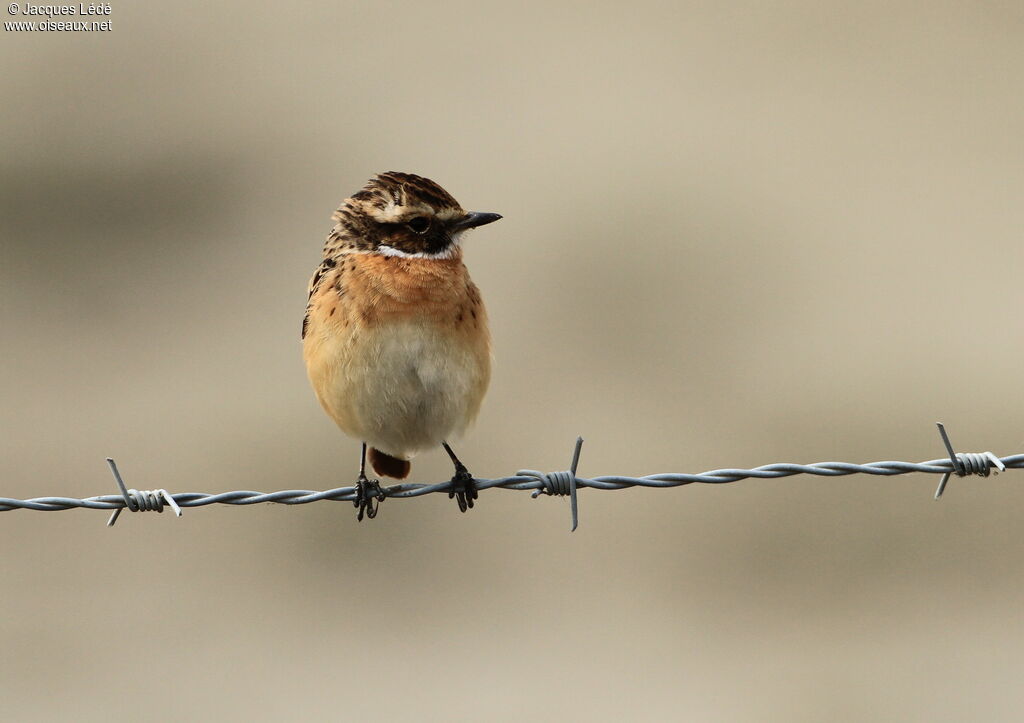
[{"x": 420, "y": 224}]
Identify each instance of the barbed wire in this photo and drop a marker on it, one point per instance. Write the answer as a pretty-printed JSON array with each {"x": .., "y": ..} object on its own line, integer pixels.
[{"x": 553, "y": 483}]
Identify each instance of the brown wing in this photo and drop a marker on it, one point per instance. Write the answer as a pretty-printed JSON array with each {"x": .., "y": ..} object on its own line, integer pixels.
[{"x": 314, "y": 283}]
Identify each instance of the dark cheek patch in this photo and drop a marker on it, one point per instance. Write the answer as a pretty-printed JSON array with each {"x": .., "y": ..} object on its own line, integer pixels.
[
  {"x": 438, "y": 242},
  {"x": 399, "y": 237}
]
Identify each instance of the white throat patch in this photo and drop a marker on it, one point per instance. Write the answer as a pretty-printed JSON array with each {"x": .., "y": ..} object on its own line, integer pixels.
[{"x": 447, "y": 253}]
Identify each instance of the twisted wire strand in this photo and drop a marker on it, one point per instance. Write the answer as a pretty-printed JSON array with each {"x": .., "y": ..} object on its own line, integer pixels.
[
  {"x": 551, "y": 483},
  {"x": 140, "y": 500},
  {"x": 526, "y": 482},
  {"x": 974, "y": 463}
]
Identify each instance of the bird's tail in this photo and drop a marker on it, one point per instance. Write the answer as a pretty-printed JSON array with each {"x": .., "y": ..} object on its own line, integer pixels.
[{"x": 389, "y": 466}]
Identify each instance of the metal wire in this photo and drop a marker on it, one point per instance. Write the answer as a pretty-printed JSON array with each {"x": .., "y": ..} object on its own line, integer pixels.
[
  {"x": 965, "y": 464},
  {"x": 559, "y": 483},
  {"x": 137, "y": 501}
]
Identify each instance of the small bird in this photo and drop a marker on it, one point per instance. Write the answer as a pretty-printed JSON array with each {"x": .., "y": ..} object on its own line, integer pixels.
[{"x": 395, "y": 335}]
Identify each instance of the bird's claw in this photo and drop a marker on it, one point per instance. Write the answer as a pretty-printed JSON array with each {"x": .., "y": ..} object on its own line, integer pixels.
[
  {"x": 368, "y": 497},
  {"x": 463, "y": 488}
]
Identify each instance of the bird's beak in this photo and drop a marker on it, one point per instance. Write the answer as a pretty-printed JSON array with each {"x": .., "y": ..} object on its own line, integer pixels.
[{"x": 476, "y": 218}]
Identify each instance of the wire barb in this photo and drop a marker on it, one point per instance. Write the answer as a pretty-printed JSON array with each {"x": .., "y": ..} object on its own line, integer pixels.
[
  {"x": 140, "y": 500},
  {"x": 966, "y": 463},
  {"x": 559, "y": 483}
]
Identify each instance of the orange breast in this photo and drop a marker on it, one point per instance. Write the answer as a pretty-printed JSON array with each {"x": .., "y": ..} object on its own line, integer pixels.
[{"x": 439, "y": 291}]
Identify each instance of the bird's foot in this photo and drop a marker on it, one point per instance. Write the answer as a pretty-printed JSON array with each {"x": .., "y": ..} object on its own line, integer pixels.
[
  {"x": 463, "y": 488},
  {"x": 368, "y": 497}
]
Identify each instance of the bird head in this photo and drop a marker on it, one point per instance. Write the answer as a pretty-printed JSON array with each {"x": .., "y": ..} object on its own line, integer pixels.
[{"x": 404, "y": 215}]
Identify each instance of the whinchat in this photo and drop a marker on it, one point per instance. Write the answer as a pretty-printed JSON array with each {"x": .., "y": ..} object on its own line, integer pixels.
[{"x": 395, "y": 334}]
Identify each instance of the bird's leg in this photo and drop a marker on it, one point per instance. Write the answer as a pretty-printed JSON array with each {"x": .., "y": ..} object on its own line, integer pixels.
[
  {"x": 368, "y": 492},
  {"x": 463, "y": 487}
]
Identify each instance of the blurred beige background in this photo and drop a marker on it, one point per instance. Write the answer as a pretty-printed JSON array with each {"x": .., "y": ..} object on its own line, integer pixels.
[{"x": 734, "y": 234}]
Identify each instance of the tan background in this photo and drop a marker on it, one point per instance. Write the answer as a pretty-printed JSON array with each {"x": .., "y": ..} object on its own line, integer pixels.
[{"x": 735, "y": 234}]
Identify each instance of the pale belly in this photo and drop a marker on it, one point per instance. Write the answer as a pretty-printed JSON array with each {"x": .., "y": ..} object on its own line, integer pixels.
[{"x": 400, "y": 387}]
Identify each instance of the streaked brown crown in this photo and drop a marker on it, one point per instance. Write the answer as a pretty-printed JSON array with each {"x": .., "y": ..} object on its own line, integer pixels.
[{"x": 401, "y": 214}]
